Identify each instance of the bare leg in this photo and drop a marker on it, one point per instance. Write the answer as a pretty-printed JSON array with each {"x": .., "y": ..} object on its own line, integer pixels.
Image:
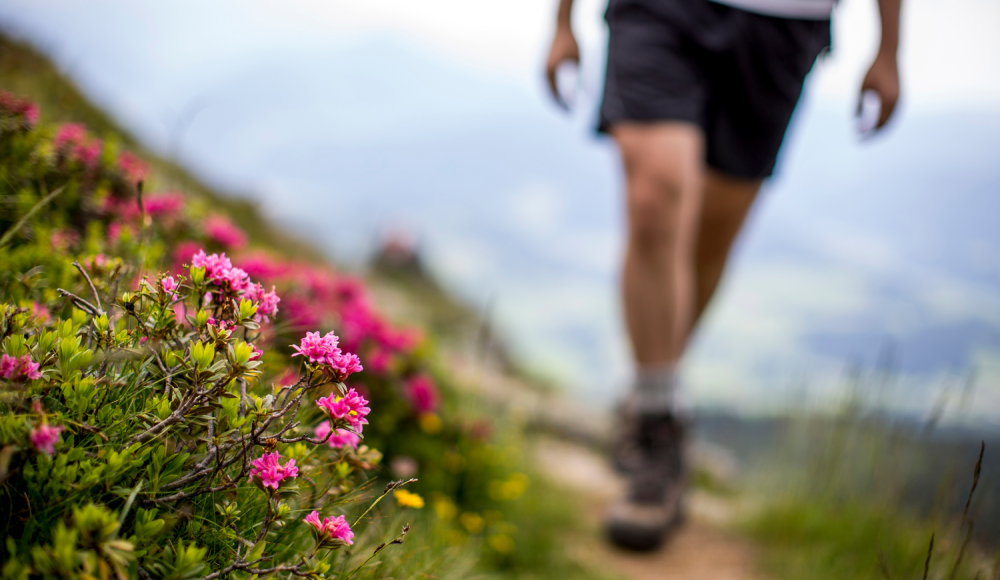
[
  {"x": 664, "y": 174},
  {"x": 665, "y": 185},
  {"x": 725, "y": 205}
]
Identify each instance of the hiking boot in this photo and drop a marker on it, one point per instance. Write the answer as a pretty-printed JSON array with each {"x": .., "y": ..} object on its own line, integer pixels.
[{"x": 653, "y": 461}]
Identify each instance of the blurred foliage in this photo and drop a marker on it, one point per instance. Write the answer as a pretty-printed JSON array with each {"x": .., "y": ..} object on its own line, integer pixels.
[
  {"x": 486, "y": 512},
  {"x": 840, "y": 500}
]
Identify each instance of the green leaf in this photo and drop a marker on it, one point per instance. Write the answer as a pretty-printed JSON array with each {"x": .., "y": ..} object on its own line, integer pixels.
[{"x": 257, "y": 551}]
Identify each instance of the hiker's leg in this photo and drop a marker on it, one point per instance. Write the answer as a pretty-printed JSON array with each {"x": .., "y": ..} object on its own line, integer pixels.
[
  {"x": 664, "y": 180},
  {"x": 664, "y": 177},
  {"x": 725, "y": 204}
]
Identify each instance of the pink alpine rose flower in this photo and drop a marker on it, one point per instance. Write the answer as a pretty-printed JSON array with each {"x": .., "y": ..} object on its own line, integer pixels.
[
  {"x": 324, "y": 351},
  {"x": 44, "y": 438},
  {"x": 169, "y": 286},
  {"x": 69, "y": 133},
  {"x": 13, "y": 368},
  {"x": 133, "y": 168},
  {"x": 340, "y": 437},
  {"x": 219, "y": 270},
  {"x": 335, "y": 529},
  {"x": 423, "y": 394},
  {"x": 39, "y": 312},
  {"x": 216, "y": 265},
  {"x": 270, "y": 472},
  {"x": 267, "y": 302},
  {"x": 71, "y": 139},
  {"x": 223, "y": 232},
  {"x": 352, "y": 408},
  {"x": 9, "y": 366},
  {"x": 346, "y": 364},
  {"x": 319, "y": 350},
  {"x": 163, "y": 204},
  {"x": 22, "y": 107},
  {"x": 238, "y": 280}
]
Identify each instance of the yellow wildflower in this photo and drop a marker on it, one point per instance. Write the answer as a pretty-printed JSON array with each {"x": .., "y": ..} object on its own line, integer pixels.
[{"x": 407, "y": 499}]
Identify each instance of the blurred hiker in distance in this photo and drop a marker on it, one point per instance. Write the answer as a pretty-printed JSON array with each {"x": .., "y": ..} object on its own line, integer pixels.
[{"x": 697, "y": 96}]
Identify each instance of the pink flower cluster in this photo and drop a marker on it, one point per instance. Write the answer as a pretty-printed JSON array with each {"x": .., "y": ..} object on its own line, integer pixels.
[
  {"x": 271, "y": 473},
  {"x": 220, "y": 270},
  {"x": 133, "y": 168},
  {"x": 13, "y": 368},
  {"x": 267, "y": 302},
  {"x": 261, "y": 266},
  {"x": 156, "y": 205},
  {"x": 362, "y": 323},
  {"x": 422, "y": 394},
  {"x": 163, "y": 204},
  {"x": 44, "y": 438},
  {"x": 340, "y": 437},
  {"x": 352, "y": 408},
  {"x": 326, "y": 352},
  {"x": 169, "y": 286},
  {"x": 64, "y": 240},
  {"x": 223, "y": 232},
  {"x": 311, "y": 294},
  {"x": 12, "y": 105},
  {"x": 72, "y": 140},
  {"x": 39, "y": 312},
  {"x": 330, "y": 528},
  {"x": 115, "y": 231}
]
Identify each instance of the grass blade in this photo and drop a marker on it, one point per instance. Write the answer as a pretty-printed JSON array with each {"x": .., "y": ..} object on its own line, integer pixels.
[{"x": 9, "y": 235}]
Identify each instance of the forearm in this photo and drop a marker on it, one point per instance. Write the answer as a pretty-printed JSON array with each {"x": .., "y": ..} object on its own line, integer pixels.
[
  {"x": 566, "y": 9},
  {"x": 888, "y": 11}
]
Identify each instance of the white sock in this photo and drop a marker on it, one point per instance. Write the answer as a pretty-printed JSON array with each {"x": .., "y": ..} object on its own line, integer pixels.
[{"x": 655, "y": 388}]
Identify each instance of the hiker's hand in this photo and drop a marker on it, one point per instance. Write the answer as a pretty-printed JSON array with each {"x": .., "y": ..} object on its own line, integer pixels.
[
  {"x": 564, "y": 48},
  {"x": 883, "y": 78}
]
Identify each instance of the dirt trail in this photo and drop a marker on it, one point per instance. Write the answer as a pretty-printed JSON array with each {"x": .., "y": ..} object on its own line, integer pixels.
[{"x": 702, "y": 549}]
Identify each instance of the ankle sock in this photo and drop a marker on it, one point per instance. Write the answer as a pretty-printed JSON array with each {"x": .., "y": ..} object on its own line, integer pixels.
[{"x": 655, "y": 387}]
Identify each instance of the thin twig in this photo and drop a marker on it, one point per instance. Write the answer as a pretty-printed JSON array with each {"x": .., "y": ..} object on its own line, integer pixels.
[
  {"x": 97, "y": 297},
  {"x": 79, "y": 302},
  {"x": 398, "y": 540},
  {"x": 390, "y": 487}
]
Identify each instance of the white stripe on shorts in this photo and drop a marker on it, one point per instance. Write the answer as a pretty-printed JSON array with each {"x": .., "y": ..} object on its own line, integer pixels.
[{"x": 806, "y": 9}]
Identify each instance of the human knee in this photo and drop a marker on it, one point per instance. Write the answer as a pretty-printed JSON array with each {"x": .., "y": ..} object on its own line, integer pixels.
[{"x": 655, "y": 209}]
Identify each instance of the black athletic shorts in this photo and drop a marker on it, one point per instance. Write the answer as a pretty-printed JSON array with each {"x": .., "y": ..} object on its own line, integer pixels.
[{"x": 734, "y": 73}]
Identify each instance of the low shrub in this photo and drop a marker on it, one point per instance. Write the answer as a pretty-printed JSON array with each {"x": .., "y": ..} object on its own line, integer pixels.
[{"x": 173, "y": 403}]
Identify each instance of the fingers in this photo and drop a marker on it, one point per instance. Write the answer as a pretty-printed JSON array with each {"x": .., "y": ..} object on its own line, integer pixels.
[
  {"x": 888, "y": 106},
  {"x": 883, "y": 80},
  {"x": 550, "y": 74}
]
